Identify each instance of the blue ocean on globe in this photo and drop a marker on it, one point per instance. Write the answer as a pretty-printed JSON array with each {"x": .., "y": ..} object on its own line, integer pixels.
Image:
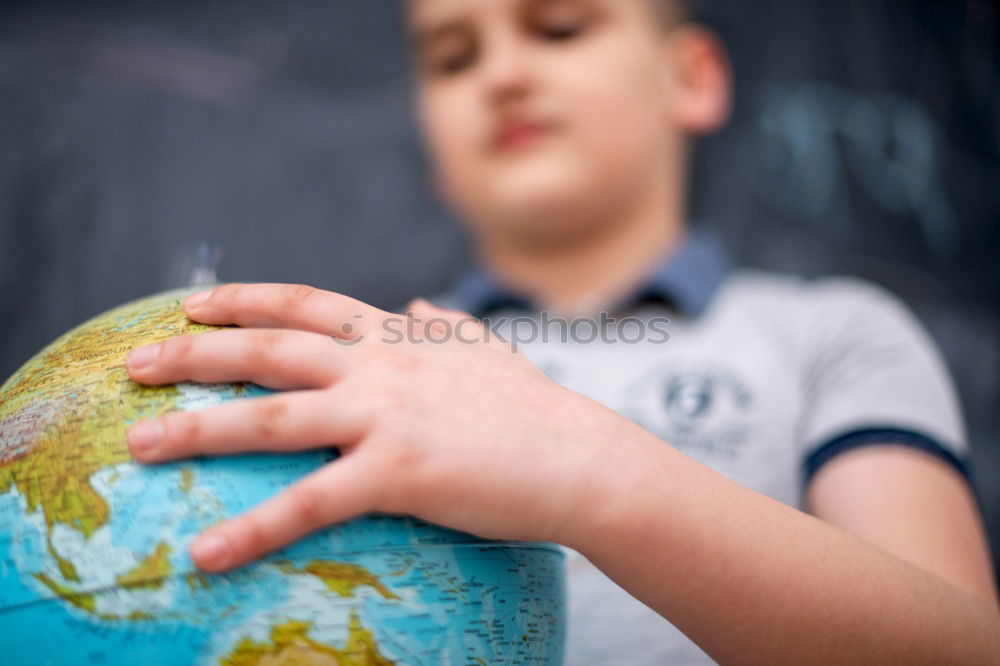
[{"x": 94, "y": 568}]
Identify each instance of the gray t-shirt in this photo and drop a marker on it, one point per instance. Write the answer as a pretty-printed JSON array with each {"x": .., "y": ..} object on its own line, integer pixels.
[{"x": 772, "y": 378}]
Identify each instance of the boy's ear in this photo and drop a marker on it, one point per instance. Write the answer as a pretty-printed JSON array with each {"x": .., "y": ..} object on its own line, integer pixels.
[{"x": 701, "y": 79}]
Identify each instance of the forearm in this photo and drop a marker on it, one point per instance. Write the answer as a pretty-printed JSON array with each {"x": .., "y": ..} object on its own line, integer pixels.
[{"x": 752, "y": 580}]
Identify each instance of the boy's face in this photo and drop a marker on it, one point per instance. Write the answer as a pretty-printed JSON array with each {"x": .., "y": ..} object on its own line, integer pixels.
[{"x": 544, "y": 117}]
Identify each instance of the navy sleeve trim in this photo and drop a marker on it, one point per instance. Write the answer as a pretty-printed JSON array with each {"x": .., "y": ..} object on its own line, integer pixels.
[{"x": 875, "y": 436}]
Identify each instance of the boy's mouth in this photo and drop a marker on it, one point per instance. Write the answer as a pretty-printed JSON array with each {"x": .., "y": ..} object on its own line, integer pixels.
[{"x": 518, "y": 133}]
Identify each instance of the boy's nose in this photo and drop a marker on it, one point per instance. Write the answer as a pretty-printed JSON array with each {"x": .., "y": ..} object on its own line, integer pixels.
[{"x": 505, "y": 67}]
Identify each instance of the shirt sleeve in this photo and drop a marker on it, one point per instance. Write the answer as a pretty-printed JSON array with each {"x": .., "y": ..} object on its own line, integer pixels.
[{"x": 872, "y": 376}]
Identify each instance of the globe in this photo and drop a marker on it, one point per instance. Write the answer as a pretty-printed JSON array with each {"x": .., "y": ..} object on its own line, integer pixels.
[{"x": 94, "y": 567}]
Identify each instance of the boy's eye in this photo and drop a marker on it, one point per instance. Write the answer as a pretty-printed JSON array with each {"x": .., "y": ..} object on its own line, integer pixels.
[
  {"x": 454, "y": 63},
  {"x": 560, "y": 20},
  {"x": 451, "y": 55},
  {"x": 560, "y": 31}
]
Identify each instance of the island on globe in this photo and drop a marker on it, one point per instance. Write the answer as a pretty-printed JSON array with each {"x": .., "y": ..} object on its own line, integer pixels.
[{"x": 94, "y": 565}]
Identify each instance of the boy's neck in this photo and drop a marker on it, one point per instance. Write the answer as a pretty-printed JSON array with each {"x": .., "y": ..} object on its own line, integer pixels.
[{"x": 591, "y": 274}]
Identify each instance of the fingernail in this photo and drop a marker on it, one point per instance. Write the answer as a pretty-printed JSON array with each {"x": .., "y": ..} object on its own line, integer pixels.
[
  {"x": 144, "y": 435},
  {"x": 210, "y": 551},
  {"x": 140, "y": 357},
  {"x": 194, "y": 300}
]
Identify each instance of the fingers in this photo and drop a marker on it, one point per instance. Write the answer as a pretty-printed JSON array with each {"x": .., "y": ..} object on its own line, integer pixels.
[
  {"x": 276, "y": 359},
  {"x": 338, "y": 492},
  {"x": 284, "y": 306},
  {"x": 286, "y": 422}
]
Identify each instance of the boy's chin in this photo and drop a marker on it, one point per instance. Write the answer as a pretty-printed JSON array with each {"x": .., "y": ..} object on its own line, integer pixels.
[
  {"x": 543, "y": 192},
  {"x": 542, "y": 205}
]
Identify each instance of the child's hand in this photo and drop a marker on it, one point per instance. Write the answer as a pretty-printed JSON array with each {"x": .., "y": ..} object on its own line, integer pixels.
[{"x": 460, "y": 432}]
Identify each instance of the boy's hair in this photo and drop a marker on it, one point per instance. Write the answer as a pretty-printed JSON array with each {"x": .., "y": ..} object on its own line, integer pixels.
[{"x": 669, "y": 13}]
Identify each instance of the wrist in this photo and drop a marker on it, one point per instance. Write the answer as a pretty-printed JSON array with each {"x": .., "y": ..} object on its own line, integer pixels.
[{"x": 619, "y": 481}]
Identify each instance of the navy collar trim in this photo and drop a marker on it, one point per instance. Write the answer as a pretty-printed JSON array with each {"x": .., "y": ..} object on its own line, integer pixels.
[{"x": 686, "y": 279}]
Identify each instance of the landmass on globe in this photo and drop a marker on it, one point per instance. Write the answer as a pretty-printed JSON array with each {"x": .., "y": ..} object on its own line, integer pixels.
[{"x": 93, "y": 546}]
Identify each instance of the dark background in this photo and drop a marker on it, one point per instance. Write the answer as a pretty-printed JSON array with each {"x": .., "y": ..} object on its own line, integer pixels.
[{"x": 138, "y": 138}]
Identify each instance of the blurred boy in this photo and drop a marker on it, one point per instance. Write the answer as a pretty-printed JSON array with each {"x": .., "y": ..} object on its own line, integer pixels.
[{"x": 559, "y": 131}]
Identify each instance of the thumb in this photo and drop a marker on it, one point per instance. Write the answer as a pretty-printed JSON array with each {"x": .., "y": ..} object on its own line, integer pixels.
[
  {"x": 422, "y": 308},
  {"x": 440, "y": 319}
]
